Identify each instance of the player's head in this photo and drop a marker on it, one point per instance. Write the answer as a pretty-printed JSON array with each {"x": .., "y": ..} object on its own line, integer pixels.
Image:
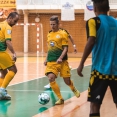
[
  {"x": 54, "y": 23},
  {"x": 13, "y": 18},
  {"x": 101, "y": 6}
]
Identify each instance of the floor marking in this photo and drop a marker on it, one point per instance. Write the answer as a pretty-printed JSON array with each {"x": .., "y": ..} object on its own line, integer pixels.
[
  {"x": 38, "y": 91},
  {"x": 39, "y": 77}
]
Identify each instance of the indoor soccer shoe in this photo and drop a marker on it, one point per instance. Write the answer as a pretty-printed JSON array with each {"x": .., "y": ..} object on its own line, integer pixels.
[
  {"x": 59, "y": 102},
  {"x": 47, "y": 86},
  {"x": 4, "y": 95},
  {"x": 76, "y": 92}
]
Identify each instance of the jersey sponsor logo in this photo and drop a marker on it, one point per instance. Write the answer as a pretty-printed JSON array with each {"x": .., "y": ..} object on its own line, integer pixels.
[
  {"x": 52, "y": 44},
  {"x": 57, "y": 36},
  {"x": 8, "y": 31},
  {"x": 98, "y": 97}
]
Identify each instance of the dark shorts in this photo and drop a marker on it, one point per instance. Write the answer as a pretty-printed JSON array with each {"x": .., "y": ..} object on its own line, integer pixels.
[{"x": 98, "y": 85}]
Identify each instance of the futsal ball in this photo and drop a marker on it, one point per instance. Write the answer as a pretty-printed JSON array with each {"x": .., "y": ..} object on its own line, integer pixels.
[{"x": 43, "y": 98}]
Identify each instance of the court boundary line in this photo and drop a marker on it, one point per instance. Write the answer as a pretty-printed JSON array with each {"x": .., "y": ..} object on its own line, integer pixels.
[
  {"x": 67, "y": 112},
  {"x": 38, "y": 78},
  {"x": 37, "y": 91}
]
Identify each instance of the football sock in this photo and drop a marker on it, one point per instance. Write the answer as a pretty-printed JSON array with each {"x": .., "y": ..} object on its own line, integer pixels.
[
  {"x": 71, "y": 85},
  {"x": 9, "y": 76},
  {"x": 56, "y": 89},
  {"x": 95, "y": 115},
  {"x": 1, "y": 81}
]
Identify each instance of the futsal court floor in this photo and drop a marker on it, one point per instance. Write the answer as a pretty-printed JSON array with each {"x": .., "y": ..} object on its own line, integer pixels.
[{"x": 29, "y": 82}]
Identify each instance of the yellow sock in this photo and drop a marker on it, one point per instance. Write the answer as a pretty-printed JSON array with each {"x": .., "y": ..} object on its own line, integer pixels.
[
  {"x": 71, "y": 85},
  {"x": 1, "y": 81},
  {"x": 9, "y": 76},
  {"x": 56, "y": 89}
]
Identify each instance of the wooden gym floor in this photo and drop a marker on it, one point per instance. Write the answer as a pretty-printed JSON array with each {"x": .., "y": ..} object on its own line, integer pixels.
[{"x": 29, "y": 83}]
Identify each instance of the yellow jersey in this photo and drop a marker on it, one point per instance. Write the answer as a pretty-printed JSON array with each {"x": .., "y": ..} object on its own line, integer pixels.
[
  {"x": 5, "y": 34},
  {"x": 56, "y": 41}
]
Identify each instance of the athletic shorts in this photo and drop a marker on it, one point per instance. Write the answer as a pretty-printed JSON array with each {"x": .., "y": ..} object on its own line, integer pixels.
[
  {"x": 5, "y": 60},
  {"x": 62, "y": 68},
  {"x": 98, "y": 85}
]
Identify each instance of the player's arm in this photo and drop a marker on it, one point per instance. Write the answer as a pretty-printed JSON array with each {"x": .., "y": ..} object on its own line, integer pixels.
[
  {"x": 10, "y": 47},
  {"x": 7, "y": 33},
  {"x": 45, "y": 62},
  {"x": 72, "y": 41},
  {"x": 91, "y": 27},
  {"x": 65, "y": 50}
]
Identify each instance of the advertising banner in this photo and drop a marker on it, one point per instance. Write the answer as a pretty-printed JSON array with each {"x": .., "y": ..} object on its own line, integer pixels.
[{"x": 7, "y": 6}]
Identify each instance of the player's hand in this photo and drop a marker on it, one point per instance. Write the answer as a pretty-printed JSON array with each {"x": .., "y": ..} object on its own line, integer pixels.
[
  {"x": 45, "y": 63},
  {"x": 14, "y": 57},
  {"x": 79, "y": 70},
  {"x": 75, "y": 50},
  {"x": 59, "y": 60}
]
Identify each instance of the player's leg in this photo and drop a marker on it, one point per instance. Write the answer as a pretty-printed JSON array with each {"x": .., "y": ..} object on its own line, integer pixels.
[
  {"x": 52, "y": 73},
  {"x": 68, "y": 82},
  {"x": 48, "y": 85},
  {"x": 113, "y": 87},
  {"x": 2, "y": 76},
  {"x": 94, "y": 109},
  {"x": 55, "y": 88},
  {"x": 97, "y": 87},
  {"x": 9, "y": 76},
  {"x": 7, "y": 63},
  {"x": 65, "y": 73}
]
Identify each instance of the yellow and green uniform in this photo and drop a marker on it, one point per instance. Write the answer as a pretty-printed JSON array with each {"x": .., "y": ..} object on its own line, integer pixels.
[
  {"x": 65, "y": 31},
  {"x": 56, "y": 41},
  {"x": 5, "y": 34}
]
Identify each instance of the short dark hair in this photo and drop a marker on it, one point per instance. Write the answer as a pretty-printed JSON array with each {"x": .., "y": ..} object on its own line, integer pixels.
[
  {"x": 55, "y": 18},
  {"x": 102, "y": 5},
  {"x": 13, "y": 14}
]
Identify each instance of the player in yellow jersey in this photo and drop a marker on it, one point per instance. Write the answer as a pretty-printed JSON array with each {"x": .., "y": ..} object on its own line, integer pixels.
[
  {"x": 56, "y": 59},
  {"x": 7, "y": 63},
  {"x": 74, "y": 46}
]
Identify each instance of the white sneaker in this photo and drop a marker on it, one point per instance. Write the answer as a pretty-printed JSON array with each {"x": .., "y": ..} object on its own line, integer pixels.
[
  {"x": 4, "y": 95},
  {"x": 47, "y": 86}
]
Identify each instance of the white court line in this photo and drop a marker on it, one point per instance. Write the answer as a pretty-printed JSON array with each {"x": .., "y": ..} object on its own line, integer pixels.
[
  {"x": 39, "y": 77},
  {"x": 27, "y": 81},
  {"x": 38, "y": 91}
]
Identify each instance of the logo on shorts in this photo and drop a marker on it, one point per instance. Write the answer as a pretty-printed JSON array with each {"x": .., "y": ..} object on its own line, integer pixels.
[{"x": 98, "y": 97}]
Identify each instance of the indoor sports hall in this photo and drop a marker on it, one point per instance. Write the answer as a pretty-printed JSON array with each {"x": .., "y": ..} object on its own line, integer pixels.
[{"x": 29, "y": 37}]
